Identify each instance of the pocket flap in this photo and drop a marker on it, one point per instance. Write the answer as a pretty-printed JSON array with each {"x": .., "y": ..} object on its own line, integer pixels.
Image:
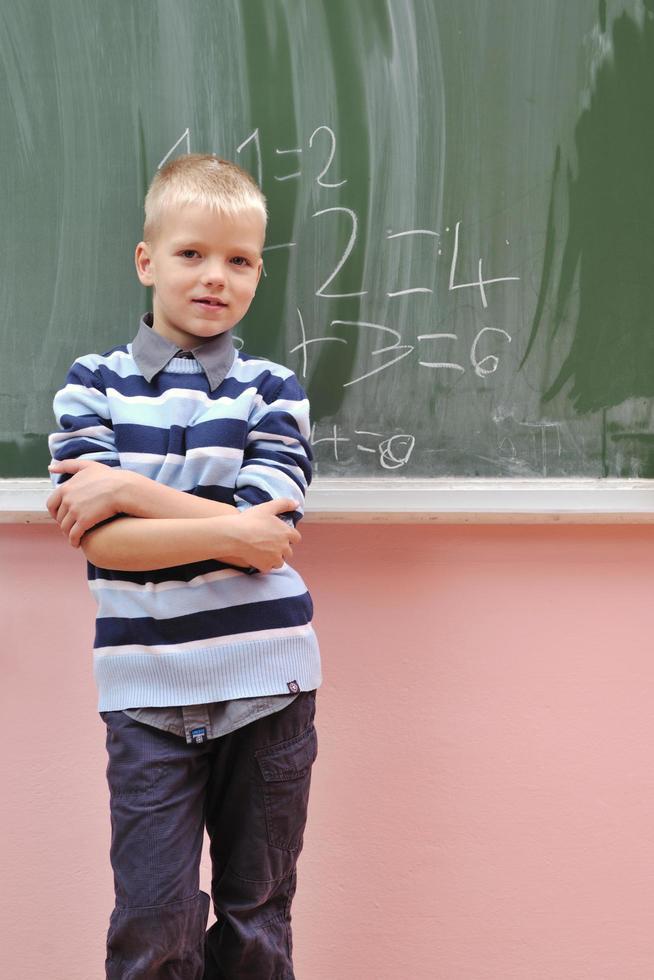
[{"x": 290, "y": 759}]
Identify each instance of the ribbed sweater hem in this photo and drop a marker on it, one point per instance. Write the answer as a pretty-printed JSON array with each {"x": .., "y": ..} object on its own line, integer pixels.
[{"x": 252, "y": 668}]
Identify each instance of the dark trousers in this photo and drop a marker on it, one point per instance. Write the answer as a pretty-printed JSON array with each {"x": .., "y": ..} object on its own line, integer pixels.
[{"x": 250, "y": 789}]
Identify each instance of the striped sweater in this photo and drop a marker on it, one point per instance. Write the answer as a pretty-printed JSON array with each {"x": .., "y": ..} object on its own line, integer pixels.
[{"x": 204, "y": 631}]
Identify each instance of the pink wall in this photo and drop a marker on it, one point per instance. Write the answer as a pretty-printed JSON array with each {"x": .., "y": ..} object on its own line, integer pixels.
[{"x": 483, "y": 798}]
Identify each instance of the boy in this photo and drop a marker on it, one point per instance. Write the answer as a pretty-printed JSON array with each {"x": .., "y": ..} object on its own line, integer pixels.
[{"x": 205, "y": 658}]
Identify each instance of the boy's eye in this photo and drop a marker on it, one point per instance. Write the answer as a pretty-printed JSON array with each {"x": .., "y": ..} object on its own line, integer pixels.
[
  {"x": 188, "y": 253},
  {"x": 240, "y": 260}
]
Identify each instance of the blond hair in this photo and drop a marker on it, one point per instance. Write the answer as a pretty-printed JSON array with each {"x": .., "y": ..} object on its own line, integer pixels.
[{"x": 201, "y": 178}]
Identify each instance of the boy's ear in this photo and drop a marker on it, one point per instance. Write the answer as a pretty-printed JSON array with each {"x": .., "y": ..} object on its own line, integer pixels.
[
  {"x": 143, "y": 263},
  {"x": 259, "y": 270}
]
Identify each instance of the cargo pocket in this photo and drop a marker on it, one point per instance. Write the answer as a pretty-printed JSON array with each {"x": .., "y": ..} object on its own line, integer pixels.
[{"x": 286, "y": 772}]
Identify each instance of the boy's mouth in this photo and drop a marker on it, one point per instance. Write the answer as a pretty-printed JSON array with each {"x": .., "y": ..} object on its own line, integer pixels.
[{"x": 210, "y": 301}]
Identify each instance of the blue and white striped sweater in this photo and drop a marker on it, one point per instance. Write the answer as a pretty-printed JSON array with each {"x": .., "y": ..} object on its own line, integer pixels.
[{"x": 203, "y": 631}]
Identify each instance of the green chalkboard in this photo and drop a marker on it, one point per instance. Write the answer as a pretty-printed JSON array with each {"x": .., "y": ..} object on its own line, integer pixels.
[{"x": 460, "y": 255}]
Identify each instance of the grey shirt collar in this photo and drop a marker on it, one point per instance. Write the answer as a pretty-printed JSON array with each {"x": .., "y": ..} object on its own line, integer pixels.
[{"x": 152, "y": 351}]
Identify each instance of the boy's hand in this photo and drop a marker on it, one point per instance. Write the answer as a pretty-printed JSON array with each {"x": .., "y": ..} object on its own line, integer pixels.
[
  {"x": 91, "y": 496},
  {"x": 264, "y": 541}
]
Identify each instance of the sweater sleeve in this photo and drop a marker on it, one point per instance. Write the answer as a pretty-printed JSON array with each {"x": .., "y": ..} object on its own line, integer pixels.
[
  {"x": 278, "y": 456},
  {"x": 82, "y": 414}
]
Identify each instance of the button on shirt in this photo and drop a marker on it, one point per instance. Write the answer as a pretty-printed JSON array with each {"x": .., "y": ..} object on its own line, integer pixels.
[{"x": 197, "y": 722}]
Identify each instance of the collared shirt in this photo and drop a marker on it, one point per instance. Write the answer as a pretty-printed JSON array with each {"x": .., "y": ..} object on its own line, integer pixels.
[
  {"x": 152, "y": 351},
  {"x": 197, "y": 722}
]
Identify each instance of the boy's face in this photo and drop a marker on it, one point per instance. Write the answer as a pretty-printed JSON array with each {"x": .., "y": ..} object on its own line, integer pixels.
[{"x": 199, "y": 256}]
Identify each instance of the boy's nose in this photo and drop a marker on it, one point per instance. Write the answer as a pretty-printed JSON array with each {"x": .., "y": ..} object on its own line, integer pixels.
[{"x": 214, "y": 275}]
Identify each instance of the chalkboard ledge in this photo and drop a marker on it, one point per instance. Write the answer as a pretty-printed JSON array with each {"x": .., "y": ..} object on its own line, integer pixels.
[{"x": 437, "y": 501}]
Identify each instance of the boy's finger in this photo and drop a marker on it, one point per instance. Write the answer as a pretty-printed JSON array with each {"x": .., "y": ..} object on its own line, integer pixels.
[
  {"x": 68, "y": 465},
  {"x": 52, "y": 503},
  {"x": 290, "y": 504},
  {"x": 75, "y": 535}
]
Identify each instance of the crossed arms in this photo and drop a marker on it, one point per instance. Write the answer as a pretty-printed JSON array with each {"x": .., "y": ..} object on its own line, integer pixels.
[
  {"x": 100, "y": 506},
  {"x": 96, "y": 493}
]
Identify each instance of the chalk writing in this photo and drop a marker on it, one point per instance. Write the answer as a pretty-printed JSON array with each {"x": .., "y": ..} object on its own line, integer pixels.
[
  {"x": 254, "y": 138},
  {"x": 319, "y": 179},
  {"x": 297, "y": 173},
  {"x": 186, "y": 136},
  {"x": 344, "y": 257},
  {"x": 480, "y": 282},
  {"x": 404, "y": 234},
  {"x": 392, "y": 452}
]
